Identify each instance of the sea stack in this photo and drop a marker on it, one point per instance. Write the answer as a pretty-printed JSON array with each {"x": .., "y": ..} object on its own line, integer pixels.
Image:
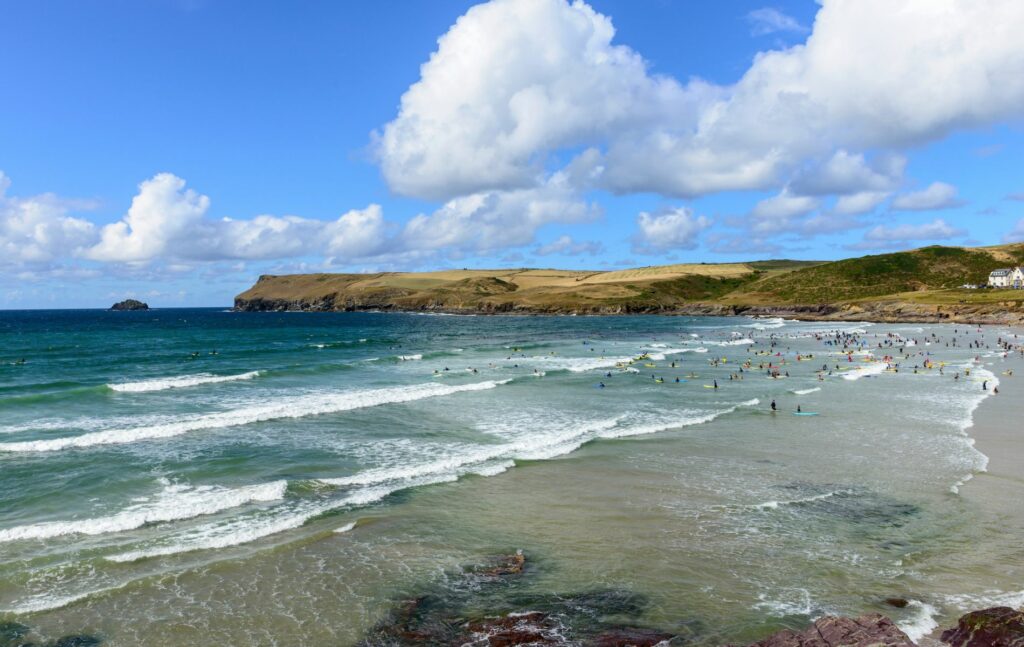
[{"x": 130, "y": 304}]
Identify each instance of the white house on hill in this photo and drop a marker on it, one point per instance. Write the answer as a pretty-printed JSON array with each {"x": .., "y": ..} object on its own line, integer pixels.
[{"x": 1007, "y": 277}]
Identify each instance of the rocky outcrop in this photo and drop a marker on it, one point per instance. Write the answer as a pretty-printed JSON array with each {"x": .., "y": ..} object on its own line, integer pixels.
[
  {"x": 872, "y": 630},
  {"x": 994, "y": 627},
  {"x": 883, "y": 312},
  {"x": 129, "y": 304},
  {"x": 451, "y": 614},
  {"x": 485, "y": 605}
]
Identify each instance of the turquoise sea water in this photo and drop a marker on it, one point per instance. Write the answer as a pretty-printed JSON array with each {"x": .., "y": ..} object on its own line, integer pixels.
[{"x": 282, "y": 478}]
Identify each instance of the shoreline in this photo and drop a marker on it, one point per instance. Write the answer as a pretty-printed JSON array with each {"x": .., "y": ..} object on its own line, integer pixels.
[
  {"x": 996, "y": 434},
  {"x": 998, "y": 437}
]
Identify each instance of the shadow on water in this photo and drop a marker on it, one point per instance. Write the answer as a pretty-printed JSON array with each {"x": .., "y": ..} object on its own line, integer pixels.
[
  {"x": 853, "y": 504},
  {"x": 488, "y": 605},
  {"x": 15, "y": 634}
]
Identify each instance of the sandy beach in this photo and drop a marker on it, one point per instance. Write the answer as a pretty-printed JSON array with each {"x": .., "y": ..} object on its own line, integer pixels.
[{"x": 998, "y": 434}]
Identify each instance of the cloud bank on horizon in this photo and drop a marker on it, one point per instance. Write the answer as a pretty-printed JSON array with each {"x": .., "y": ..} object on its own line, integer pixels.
[{"x": 529, "y": 116}]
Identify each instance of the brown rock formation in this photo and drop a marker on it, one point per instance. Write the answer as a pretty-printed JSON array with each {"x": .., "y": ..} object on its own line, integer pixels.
[
  {"x": 994, "y": 627},
  {"x": 872, "y": 630}
]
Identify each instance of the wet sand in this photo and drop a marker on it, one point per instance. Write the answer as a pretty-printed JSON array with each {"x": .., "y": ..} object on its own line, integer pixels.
[
  {"x": 999, "y": 434},
  {"x": 999, "y": 491}
]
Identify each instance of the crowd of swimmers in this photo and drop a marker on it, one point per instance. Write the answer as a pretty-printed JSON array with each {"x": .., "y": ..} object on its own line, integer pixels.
[{"x": 898, "y": 353}]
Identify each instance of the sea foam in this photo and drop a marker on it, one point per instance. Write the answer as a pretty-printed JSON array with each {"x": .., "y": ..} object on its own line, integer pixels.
[
  {"x": 175, "y": 502},
  {"x": 921, "y": 623},
  {"x": 293, "y": 407},
  {"x": 876, "y": 368},
  {"x": 183, "y": 381},
  {"x": 374, "y": 485},
  {"x": 243, "y": 530}
]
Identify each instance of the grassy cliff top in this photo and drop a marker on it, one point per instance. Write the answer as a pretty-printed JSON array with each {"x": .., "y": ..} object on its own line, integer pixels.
[{"x": 926, "y": 275}]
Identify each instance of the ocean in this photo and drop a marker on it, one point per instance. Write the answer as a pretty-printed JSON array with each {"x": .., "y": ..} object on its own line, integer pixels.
[{"x": 201, "y": 476}]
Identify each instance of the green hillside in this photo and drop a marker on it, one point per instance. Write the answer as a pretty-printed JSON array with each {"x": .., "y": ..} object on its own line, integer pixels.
[{"x": 928, "y": 268}]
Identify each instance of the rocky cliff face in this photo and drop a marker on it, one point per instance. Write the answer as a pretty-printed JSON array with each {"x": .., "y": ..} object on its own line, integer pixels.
[{"x": 889, "y": 312}]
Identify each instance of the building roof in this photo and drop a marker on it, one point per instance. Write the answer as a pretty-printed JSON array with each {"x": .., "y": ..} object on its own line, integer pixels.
[{"x": 1000, "y": 272}]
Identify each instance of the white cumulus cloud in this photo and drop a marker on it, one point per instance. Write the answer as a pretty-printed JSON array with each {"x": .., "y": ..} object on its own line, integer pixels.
[
  {"x": 566, "y": 246},
  {"x": 769, "y": 21},
  {"x": 38, "y": 230},
  {"x": 161, "y": 214},
  {"x": 883, "y": 236},
  {"x": 676, "y": 228},
  {"x": 514, "y": 81},
  {"x": 938, "y": 195}
]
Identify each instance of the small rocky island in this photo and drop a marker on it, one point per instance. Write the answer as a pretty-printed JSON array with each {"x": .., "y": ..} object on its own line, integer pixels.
[{"x": 130, "y": 304}]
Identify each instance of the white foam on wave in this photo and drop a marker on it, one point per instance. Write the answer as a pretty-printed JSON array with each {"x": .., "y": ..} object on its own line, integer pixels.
[
  {"x": 774, "y": 505},
  {"x": 527, "y": 448},
  {"x": 674, "y": 422},
  {"x": 660, "y": 355},
  {"x": 292, "y": 407},
  {"x": 345, "y": 528},
  {"x": 376, "y": 484},
  {"x": 876, "y": 368},
  {"x": 180, "y": 382},
  {"x": 575, "y": 364},
  {"x": 557, "y": 442},
  {"x": 921, "y": 623},
  {"x": 981, "y": 459},
  {"x": 49, "y": 601},
  {"x": 247, "y": 529},
  {"x": 410, "y": 358},
  {"x": 174, "y": 503},
  {"x": 745, "y": 341},
  {"x": 986, "y": 599},
  {"x": 807, "y": 391},
  {"x": 767, "y": 324},
  {"x": 791, "y": 602}
]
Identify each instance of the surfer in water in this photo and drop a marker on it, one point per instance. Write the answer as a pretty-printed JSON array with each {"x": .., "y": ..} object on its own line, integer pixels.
[
  {"x": 773, "y": 407},
  {"x": 798, "y": 409},
  {"x": 716, "y": 383}
]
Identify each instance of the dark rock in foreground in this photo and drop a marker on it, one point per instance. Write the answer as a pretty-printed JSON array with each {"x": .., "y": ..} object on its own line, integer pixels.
[
  {"x": 15, "y": 634},
  {"x": 129, "y": 304},
  {"x": 484, "y": 607},
  {"x": 994, "y": 627},
  {"x": 872, "y": 630},
  {"x": 630, "y": 637}
]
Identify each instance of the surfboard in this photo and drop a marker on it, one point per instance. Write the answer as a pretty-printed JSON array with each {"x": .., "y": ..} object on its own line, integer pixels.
[{"x": 805, "y": 413}]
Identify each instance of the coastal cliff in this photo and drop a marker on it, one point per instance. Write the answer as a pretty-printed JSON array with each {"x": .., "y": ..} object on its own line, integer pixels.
[{"x": 916, "y": 286}]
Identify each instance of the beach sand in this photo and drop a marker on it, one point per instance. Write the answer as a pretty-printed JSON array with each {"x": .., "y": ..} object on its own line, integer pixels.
[
  {"x": 999, "y": 490},
  {"x": 999, "y": 434}
]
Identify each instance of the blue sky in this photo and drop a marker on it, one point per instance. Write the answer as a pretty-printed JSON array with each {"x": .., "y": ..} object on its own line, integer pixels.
[{"x": 541, "y": 133}]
